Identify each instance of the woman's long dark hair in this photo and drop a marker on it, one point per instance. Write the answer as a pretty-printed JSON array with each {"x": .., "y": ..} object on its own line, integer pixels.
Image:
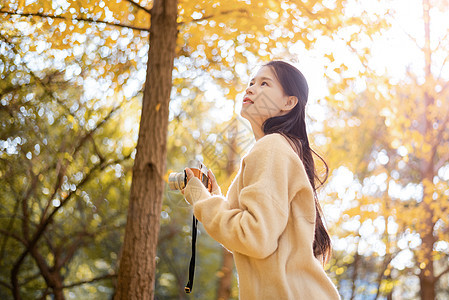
[{"x": 292, "y": 126}]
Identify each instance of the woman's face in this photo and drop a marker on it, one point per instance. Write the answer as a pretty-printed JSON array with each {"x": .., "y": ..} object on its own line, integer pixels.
[{"x": 264, "y": 98}]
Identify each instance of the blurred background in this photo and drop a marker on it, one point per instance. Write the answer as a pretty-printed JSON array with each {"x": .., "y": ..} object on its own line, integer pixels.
[{"x": 72, "y": 77}]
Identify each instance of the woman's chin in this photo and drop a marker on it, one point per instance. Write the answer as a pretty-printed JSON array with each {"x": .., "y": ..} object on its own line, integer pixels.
[
  {"x": 246, "y": 110},
  {"x": 250, "y": 118},
  {"x": 244, "y": 114}
]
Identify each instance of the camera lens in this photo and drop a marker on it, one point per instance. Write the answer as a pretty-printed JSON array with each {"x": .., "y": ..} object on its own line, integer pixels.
[{"x": 176, "y": 181}]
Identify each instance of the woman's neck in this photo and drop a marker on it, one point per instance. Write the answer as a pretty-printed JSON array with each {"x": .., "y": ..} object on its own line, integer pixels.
[{"x": 257, "y": 131}]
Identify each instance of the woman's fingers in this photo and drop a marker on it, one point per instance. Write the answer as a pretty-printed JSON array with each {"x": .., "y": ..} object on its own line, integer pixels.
[
  {"x": 212, "y": 178},
  {"x": 211, "y": 175},
  {"x": 215, "y": 188},
  {"x": 189, "y": 173}
]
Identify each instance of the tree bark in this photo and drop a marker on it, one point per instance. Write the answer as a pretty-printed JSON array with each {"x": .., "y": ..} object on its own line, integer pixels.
[
  {"x": 355, "y": 272},
  {"x": 385, "y": 263},
  {"x": 136, "y": 274},
  {"x": 427, "y": 275}
]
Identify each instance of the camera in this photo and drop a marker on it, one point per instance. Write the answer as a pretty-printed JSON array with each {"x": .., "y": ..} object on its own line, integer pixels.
[{"x": 178, "y": 181}]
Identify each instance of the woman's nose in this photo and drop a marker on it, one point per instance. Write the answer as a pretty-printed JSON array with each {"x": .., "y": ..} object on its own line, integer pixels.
[{"x": 249, "y": 90}]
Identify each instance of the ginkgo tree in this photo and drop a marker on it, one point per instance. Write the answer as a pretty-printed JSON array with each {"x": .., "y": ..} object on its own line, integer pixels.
[
  {"x": 103, "y": 46},
  {"x": 392, "y": 138}
]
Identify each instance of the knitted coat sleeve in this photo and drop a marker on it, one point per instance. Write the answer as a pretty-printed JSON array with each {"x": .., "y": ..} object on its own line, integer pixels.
[{"x": 269, "y": 180}]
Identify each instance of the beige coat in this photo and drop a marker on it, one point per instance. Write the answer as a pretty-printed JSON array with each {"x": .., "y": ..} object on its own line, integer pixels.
[{"x": 267, "y": 220}]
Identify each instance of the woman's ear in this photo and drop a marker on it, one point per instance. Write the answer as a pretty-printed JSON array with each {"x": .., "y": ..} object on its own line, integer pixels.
[{"x": 290, "y": 103}]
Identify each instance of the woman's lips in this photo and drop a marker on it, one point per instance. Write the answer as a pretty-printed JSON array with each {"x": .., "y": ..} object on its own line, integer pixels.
[{"x": 247, "y": 100}]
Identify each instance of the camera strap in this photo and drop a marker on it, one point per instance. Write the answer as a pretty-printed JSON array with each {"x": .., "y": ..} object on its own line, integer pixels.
[{"x": 189, "y": 287}]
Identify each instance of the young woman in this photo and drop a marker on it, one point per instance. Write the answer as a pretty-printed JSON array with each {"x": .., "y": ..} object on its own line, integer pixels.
[{"x": 271, "y": 219}]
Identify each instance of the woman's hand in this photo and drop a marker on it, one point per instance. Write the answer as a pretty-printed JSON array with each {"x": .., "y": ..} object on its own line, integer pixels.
[
  {"x": 215, "y": 188},
  {"x": 189, "y": 174}
]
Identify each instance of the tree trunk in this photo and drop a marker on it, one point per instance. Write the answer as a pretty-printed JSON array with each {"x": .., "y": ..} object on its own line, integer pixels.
[
  {"x": 137, "y": 264},
  {"x": 426, "y": 260},
  {"x": 355, "y": 272},
  {"x": 427, "y": 276},
  {"x": 58, "y": 289},
  {"x": 427, "y": 286},
  {"x": 390, "y": 294},
  {"x": 381, "y": 274}
]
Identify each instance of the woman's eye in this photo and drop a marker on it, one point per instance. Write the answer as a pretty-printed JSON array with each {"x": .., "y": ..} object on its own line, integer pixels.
[{"x": 263, "y": 82}]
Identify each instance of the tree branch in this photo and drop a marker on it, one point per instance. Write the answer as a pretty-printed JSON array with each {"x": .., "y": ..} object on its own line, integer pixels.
[
  {"x": 45, "y": 293},
  {"x": 412, "y": 38},
  {"x": 89, "y": 20},
  {"x": 440, "y": 41},
  {"x": 61, "y": 168},
  {"x": 443, "y": 129},
  {"x": 32, "y": 277},
  {"x": 441, "y": 274},
  {"x": 442, "y": 161},
  {"x": 42, "y": 227},
  {"x": 60, "y": 175},
  {"x": 107, "y": 276},
  {"x": 43, "y": 83},
  {"x": 9, "y": 226},
  {"x": 25, "y": 212},
  {"x": 8, "y": 233},
  {"x": 97, "y": 126},
  {"x": 44, "y": 268},
  {"x": 441, "y": 71},
  {"x": 5, "y": 284},
  {"x": 140, "y": 6},
  {"x": 50, "y": 245},
  {"x": 326, "y": 25},
  {"x": 71, "y": 252}
]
